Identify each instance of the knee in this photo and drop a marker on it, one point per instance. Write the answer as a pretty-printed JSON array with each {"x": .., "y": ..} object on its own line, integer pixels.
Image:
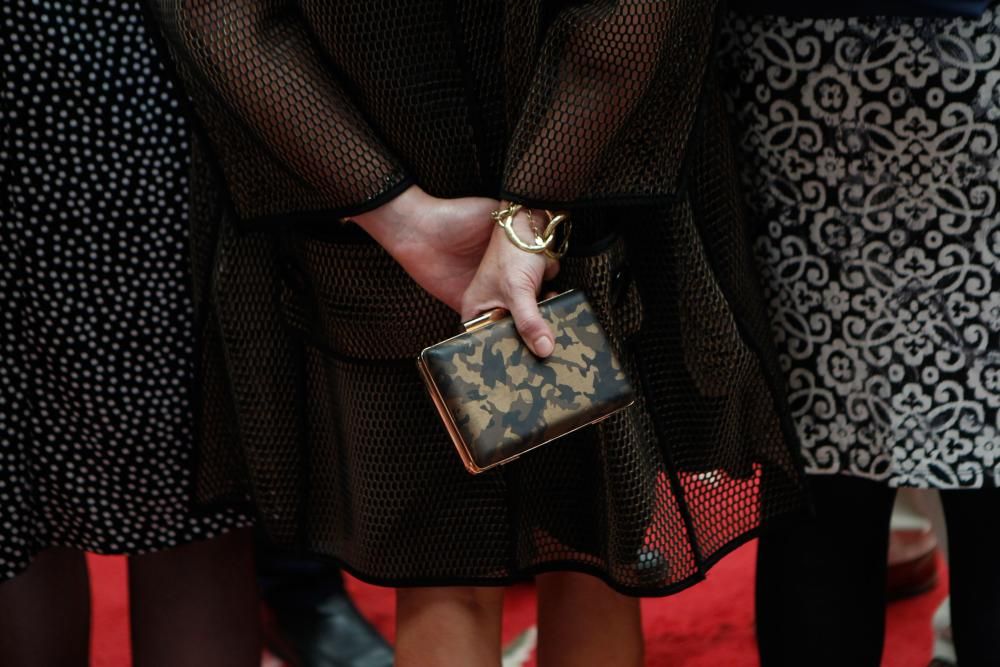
[{"x": 469, "y": 601}]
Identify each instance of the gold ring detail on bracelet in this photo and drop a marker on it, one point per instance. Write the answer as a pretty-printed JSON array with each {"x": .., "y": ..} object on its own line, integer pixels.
[
  {"x": 505, "y": 218},
  {"x": 556, "y": 219},
  {"x": 544, "y": 240}
]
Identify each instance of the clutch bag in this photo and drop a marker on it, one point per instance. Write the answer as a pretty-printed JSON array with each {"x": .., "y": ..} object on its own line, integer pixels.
[{"x": 498, "y": 400}]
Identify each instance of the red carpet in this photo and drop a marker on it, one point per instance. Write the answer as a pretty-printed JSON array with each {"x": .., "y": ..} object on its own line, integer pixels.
[{"x": 710, "y": 625}]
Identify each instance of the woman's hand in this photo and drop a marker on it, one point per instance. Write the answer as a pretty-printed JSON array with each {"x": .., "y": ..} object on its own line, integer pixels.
[
  {"x": 511, "y": 278},
  {"x": 439, "y": 242},
  {"x": 454, "y": 250}
]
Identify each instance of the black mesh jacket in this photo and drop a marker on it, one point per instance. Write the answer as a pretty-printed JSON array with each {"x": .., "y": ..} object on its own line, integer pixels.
[{"x": 315, "y": 110}]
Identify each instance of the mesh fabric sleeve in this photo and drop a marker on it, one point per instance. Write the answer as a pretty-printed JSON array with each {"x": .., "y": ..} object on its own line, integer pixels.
[
  {"x": 303, "y": 145},
  {"x": 610, "y": 105}
]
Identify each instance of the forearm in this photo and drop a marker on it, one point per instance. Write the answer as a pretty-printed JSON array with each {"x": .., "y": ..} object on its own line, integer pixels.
[
  {"x": 596, "y": 66},
  {"x": 257, "y": 57}
]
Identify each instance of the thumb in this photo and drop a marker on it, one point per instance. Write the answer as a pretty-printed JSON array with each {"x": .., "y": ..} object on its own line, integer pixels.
[{"x": 534, "y": 330}]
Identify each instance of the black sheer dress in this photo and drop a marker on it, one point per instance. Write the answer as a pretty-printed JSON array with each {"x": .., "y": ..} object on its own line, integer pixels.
[{"x": 318, "y": 110}]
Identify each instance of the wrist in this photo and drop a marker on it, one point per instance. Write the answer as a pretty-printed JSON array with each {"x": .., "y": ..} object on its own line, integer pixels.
[{"x": 385, "y": 223}]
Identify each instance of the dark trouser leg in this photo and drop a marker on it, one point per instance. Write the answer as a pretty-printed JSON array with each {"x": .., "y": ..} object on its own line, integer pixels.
[
  {"x": 973, "y": 520},
  {"x": 315, "y": 622},
  {"x": 821, "y": 581},
  {"x": 45, "y": 613},
  {"x": 196, "y": 604},
  {"x": 296, "y": 582}
]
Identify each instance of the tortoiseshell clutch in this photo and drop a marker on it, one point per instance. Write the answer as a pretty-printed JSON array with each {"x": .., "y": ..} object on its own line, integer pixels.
[{"x": 498, "y": 400}]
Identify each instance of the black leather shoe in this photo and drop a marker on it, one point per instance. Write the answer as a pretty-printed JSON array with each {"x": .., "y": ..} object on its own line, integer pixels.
[
  {"x": 652, "y": 566},
  {"x": 331, "y": 634}
]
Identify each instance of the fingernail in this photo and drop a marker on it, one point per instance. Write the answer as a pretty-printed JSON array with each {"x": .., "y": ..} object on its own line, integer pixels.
[{"x": 544, "y": 346}]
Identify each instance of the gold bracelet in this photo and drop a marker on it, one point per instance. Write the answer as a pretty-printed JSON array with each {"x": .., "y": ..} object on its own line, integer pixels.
[{"x": 544, "y": 239}]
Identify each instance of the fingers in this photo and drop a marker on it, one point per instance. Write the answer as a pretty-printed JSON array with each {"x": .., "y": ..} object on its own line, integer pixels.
[
  {"x": 521, "y": 302},
  {"x": 534, "y": 330},
  {"x": 511, "y": 278},
  {"x": 474, "y": 304}
]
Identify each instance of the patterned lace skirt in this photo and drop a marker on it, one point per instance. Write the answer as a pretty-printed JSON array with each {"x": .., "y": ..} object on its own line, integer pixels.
[{"x": 871, "y": 162}]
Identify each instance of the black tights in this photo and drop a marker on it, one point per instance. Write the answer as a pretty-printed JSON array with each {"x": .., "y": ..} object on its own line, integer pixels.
[
  {"x": 194, "y": 605},
  {"x": 821, "y": 584}
]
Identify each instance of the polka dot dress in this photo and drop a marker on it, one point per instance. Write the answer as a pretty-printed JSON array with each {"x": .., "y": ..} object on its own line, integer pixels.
[{"x": 96, "y": 343}]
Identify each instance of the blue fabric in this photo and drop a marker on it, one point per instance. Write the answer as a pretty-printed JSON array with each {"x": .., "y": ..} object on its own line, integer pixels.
[{"x": 841, "y": 8}]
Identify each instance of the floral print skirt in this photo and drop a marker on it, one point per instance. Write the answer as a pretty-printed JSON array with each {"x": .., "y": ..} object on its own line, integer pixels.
[{"x": 871, "y": 163}]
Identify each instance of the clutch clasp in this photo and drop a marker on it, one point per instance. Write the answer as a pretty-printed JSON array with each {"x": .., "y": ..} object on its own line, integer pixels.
[{"x": 486, "y": 318}]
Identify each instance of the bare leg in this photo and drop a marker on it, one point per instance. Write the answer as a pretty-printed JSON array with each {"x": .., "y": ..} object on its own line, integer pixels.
[
  {"x": 448, "y": 627},
  {"x": 583, "y": 622},
  {"x": 196, "y": 605},
  {"x": 45, "y": 612}
]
